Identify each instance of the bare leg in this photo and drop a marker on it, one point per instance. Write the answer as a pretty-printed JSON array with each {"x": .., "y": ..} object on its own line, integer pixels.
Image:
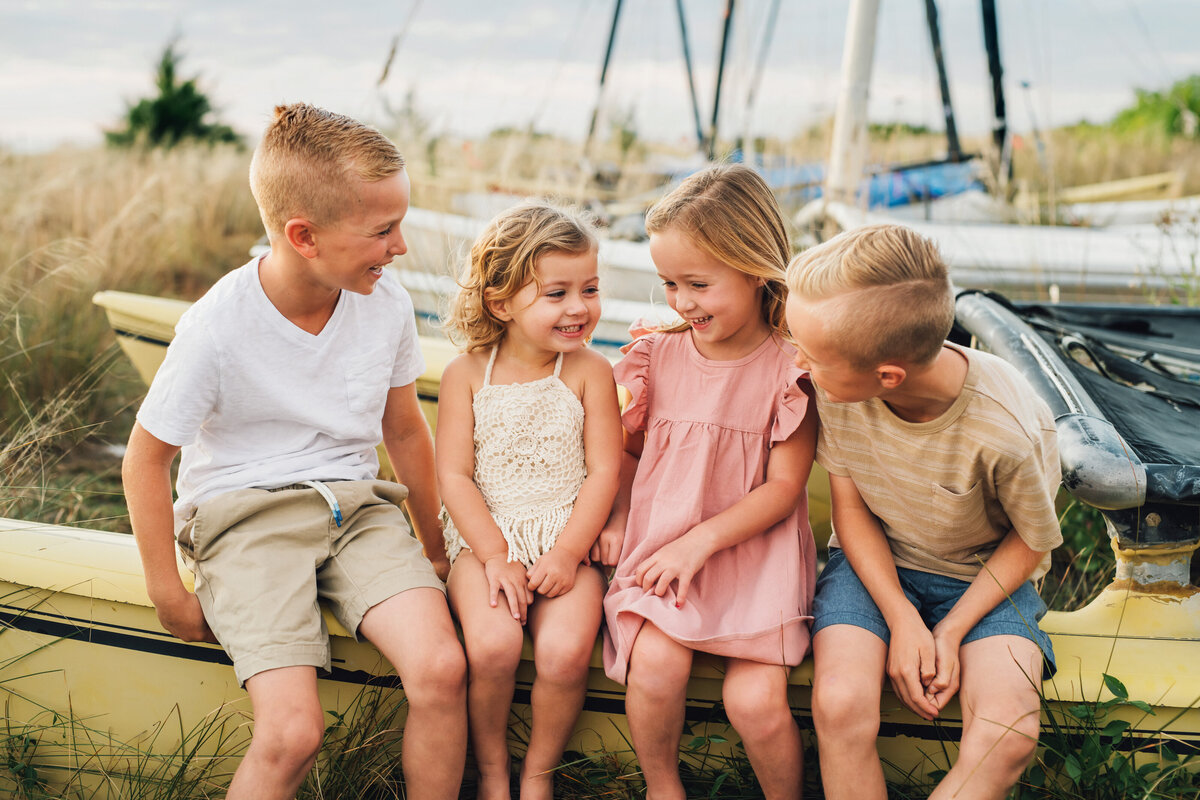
[
  {"x": 848, "y": 674},
  {"x": 756, "y": 701},
  {"x": 414, "y": 631},
  {"x": 288, "y": 726},
  {"x": 654, "y": 703},
  {"x": 1001, "y": 678},
  {"x": 564, "y": 632},
  {"x": 493, "y": 641}
]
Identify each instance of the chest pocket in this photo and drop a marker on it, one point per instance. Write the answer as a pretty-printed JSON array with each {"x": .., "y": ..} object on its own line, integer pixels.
[
  {"x": 958, "y": 516},
  {"x": 367, "y": 378}
]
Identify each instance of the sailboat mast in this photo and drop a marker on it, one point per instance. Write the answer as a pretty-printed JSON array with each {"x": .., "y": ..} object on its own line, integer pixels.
[
  {"x": 716, "y": 110},
  {"x": 687, "y": 62},
  {"x": 953, "y": 148},
  {"x": 991, "y": 40},
  {"x": 849, "y": 145},
  {"x": 608, "y": 51}
]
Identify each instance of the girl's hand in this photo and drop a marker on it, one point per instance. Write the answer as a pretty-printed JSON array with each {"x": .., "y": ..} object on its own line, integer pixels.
[
  {"x": 554, "y": 573},
  {"x": 508, "y": 577},
  {"x": 607, "y": 547},
  {"x": 679, "y": 560}
]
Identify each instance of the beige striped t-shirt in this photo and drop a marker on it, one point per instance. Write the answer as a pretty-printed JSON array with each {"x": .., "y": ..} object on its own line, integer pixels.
[{"x": 948, "y": 490}]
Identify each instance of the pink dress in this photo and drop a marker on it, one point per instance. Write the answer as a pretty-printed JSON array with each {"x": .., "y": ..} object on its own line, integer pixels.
[{"x": 709, "y": 428}]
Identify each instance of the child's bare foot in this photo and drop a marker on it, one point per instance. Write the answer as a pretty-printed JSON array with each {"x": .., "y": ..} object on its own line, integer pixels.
[
  {"x": 539, "y": 786},
  {"x": 494, "y": 785}
]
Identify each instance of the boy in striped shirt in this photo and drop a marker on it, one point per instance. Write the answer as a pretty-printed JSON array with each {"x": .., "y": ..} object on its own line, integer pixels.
[{"x": 943, "y": 470}]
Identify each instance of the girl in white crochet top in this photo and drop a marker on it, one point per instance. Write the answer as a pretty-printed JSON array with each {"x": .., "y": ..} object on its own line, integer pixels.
[{"x": 528, "y": 459}]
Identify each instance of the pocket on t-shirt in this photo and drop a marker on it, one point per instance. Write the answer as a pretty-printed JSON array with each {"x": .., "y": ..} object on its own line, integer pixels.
[
  {"x": 367, "y": 378},
  {"x": 958, "y": 513}
]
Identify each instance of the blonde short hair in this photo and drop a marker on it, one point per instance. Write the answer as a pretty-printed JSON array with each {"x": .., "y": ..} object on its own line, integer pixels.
[
  {"x": 503, "y": 260},
  {"x": 888, "y": 291},
  {"x": 729, "y": 212},
  {"x": 308, "y": 160}
]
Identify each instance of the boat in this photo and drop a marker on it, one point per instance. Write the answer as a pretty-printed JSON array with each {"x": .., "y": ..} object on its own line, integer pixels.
[{"x": 79, "y": 638}]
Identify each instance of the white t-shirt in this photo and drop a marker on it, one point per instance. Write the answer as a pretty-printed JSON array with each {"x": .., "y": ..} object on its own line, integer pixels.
[{"x": 254, "y": 401}]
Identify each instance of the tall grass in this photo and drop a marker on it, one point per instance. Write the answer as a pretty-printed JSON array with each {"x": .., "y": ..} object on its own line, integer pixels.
[{"x": 76, "y": 222}]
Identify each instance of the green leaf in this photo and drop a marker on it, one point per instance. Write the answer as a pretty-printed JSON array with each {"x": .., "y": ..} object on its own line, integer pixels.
[
  {"x": 1080, "y": 711},
  {"x": 1142, "y": 706},
  {"x": 1074, "y": 770},
  {"x": 1116, "y": 687},
  {"x": 1115, "y": 729}
]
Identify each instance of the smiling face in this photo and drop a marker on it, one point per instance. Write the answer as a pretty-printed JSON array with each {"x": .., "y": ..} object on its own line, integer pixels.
[
  {"x": 558, "y": 311},
  {"x": 722, "y": 305},
  {"x": 353, "y": 251},
  {"x": 841, "y": 381}
]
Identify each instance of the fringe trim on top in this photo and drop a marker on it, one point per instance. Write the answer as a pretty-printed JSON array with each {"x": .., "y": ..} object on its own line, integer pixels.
[{"x": 528, "y": 539}]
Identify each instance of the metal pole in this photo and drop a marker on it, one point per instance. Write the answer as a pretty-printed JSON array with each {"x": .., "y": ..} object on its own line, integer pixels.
[
  {"x": 760, "y": 65},
  {"x": 608, "y": 51},
  {"x": 687, "y": 62},
  {"x": 953, "y": 149},
  {"x": 991, "y": 40},
  {"x": 848, "y": 148},
  {"x": 712, "y": 128}
]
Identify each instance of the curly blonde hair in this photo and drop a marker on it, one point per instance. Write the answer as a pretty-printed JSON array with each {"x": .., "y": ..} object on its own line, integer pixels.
[
  {"x": 884, "y": 290},
  {"x": 307, "y": 160},
  {"x": 503, "y": 260},
  {"x": 729, "y": 212}
]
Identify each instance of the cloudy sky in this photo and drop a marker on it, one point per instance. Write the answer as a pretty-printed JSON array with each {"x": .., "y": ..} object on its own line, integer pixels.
[{"x": 68, "y": 68}]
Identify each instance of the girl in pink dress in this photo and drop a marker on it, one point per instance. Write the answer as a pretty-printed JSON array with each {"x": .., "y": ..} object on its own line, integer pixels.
[{"x": 716, "y": 552}]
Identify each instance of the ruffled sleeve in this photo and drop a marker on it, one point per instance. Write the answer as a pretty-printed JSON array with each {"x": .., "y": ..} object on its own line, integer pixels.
[
  {"x": 633, "y": 373},
  {"x": 795, "y": 402}
]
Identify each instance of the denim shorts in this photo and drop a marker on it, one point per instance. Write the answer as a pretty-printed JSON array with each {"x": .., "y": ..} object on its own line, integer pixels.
[{"x": 841, "y": 599}]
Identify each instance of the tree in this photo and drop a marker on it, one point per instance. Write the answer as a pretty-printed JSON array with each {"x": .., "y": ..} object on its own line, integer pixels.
[
  {"x": 1173, "y": 112},
  {"x": 178, "y": 113}
]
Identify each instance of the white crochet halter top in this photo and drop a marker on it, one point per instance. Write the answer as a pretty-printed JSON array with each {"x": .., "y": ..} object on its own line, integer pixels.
[{"x": 528, "y": 461}]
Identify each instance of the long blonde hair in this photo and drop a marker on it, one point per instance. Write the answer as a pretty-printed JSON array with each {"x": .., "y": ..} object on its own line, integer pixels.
[
  {"x": 729, "y": 212},
  {"x": 503, "y": 260}
]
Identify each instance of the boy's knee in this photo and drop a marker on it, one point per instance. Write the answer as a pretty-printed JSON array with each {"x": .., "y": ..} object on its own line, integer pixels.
[
  {"x": 440, "y": 676},
  {"x": 289, "y": 742},
  {"x": 842, "y": 709},
  {"x": 1009, "y": 747}
]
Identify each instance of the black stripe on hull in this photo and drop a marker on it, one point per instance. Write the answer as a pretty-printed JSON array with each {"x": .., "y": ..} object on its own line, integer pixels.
[{"x": 600, "y": 701}]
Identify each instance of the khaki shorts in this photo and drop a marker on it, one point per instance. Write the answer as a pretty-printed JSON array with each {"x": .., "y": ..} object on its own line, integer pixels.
[{"x": 262, "y": 558}]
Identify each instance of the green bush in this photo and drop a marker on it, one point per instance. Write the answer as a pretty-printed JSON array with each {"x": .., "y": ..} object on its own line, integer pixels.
[{"x": 178, "y": 113}]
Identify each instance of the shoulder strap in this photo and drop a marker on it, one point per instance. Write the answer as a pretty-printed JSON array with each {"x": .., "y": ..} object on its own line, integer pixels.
[
  {"x": 487, "y": 375},
  {"x": 558, "y": 364}
]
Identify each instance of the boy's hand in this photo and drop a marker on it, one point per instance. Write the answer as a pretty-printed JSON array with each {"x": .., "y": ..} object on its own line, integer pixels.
[
  {"x": 183, "y": 618},
  {"x": 554, "y": 573},
  {"x": 911, "y": 665},
  {"x": 508, "y": 577},
  {"x": 679, "y": 560},
  {"x": 945, "y": 683},
  {"x": 607, "y": 547}
]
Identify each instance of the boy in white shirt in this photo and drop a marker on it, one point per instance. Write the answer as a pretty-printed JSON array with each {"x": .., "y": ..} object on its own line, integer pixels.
[{"x": 278, "y": 385}]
